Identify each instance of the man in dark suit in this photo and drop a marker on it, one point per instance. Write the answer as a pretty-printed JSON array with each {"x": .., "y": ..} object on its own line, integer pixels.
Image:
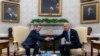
[
  {"x": 72, "y": 40},
  {"x": 31, "y": 41}
]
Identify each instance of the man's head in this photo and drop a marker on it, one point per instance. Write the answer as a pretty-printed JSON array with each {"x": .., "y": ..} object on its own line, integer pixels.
[
  {"x": 9, "y": 9},
  {"x": 66, "y": 26},
  {"x": 37, "y": 27}
]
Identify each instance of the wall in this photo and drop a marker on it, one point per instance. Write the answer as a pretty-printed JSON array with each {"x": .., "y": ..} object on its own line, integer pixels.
[{"x": 29, "y": 10}]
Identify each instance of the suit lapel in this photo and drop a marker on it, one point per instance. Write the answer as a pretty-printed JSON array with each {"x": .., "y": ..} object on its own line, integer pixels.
[{"x": 71, "y": 34}]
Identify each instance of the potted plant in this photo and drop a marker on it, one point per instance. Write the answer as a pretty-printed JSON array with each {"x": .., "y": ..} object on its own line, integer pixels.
[{"x": 49, "y": 20}]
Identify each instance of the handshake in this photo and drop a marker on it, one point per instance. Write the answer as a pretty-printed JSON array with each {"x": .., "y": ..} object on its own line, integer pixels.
[{"x": 48, "y": 38}]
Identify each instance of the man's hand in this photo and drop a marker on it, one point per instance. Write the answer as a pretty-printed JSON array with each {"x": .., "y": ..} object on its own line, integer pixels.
[
  {"x": 66, "y": 42},
  {"x": 51, "y": 38},
  {"x": 47, "y": 39}
]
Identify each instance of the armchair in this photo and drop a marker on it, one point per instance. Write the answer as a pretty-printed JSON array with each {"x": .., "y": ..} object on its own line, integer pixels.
[
  {"x": 83, "y": 34},
  {"x": 19, "y": 35}
]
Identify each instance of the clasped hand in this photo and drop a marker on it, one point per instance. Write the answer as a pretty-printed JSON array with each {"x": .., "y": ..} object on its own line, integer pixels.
[{"x": 48, "y": 38}]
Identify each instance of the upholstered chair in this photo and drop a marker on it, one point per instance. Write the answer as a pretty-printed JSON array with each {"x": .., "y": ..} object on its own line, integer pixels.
[
  {"x": 19, "y": 35},
  {"x": 82, "y": 32}
]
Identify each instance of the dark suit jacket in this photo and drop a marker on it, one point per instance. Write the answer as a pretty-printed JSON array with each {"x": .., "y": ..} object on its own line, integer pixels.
[
  {"x": 74, "y": 38},
  {"x": 33, "y": 38},
  {"x": 8, "y": 16}
]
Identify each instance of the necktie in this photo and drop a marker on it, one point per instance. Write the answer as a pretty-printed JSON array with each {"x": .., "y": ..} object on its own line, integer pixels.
[{"x": 67, "y": 37}]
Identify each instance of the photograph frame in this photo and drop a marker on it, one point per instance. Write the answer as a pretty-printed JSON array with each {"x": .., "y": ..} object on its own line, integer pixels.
[
  {"x": 86, "y": 1},
  {"x": 86, "y": 8},
  {"x": 14, "y": 9},
  {"x": 14, "y": 0},
  {"x": 44, "y": 10}
]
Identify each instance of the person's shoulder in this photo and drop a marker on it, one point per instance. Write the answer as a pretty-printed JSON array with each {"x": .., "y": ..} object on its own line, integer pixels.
[
  {"x": 33, "y": 31},
  {"x": 64, "y": 31},
  {"x": 73, "y": 30}
]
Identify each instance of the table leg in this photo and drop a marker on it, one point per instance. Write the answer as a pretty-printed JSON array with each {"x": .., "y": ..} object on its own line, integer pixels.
[
  {"x": 98, "y": 54},
  {"x": 91, "y": 50},
  {"x": 8, "y": 51},
  {"x": 0, "y": 52}
]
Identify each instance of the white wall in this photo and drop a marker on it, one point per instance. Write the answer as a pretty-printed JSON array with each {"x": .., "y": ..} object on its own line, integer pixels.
[{"x": 29, "y": 10}]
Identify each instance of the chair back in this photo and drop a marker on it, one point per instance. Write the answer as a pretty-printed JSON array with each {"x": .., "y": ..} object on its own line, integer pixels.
[
  {"x": 20, "y": 33},
  {"x": 82, "y": 33}
]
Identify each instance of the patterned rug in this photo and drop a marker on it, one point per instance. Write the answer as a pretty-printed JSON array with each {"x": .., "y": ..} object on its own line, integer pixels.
[{"x": 11, "y": 54}]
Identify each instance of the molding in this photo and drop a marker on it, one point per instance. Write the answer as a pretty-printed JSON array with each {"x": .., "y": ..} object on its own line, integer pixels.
[{"x": 47, "y": 24}]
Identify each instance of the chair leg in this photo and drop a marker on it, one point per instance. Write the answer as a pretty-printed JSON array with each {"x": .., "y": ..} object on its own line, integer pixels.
[
  {"x": 85, "y": 54},
  {"x": 14, "y": 53}
]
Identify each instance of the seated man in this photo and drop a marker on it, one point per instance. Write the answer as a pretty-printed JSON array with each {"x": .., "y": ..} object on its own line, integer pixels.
[
  {"x": 31, "y": 41},
  {"x": 72, "y": 40}
]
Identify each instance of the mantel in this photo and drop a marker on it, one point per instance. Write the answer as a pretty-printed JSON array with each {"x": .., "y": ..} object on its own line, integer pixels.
[
  {"x": 48, "y": 24},
  {"x": 49, "y": 28}
]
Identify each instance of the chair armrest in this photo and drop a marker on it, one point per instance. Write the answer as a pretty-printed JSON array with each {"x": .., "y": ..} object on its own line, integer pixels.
[
  {"x": 84, "y": 43},
  {"x": 84, "y": 46},
  {"x": 15, "y": 43}
]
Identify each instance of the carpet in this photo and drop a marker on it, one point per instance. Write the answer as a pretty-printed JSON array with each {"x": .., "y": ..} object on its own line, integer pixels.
[{"x": 11, "y": 54}]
